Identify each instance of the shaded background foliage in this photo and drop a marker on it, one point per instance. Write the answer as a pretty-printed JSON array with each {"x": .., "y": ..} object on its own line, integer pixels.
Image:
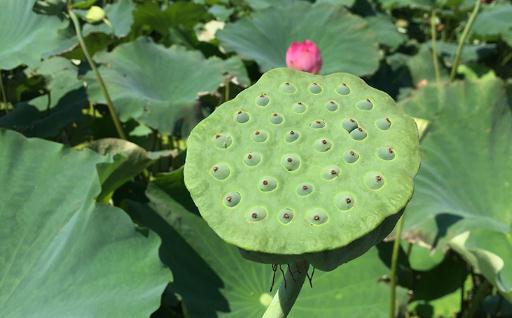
[{"x": 67, "y": 193}]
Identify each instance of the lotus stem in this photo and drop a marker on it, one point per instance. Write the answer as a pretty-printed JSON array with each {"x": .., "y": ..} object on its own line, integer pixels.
[
  {"x": 462, "y": 40},
  {"x": 288, "y": 291},
  {"x": 394, "y": 263},
  {"x": 433, "y": 34},
  {"x": 103, "y": 87},
  {"x": 4, "y": 95}
]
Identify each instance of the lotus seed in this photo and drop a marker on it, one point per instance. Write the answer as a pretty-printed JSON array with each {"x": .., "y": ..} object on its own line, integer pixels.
[
  {"x": 262, "y": 100},
  {"x": 292, "y": 135},
  {"x": 222, "y": 141},
  {"x": 287, "y": 88},
  {"x": 344, "y": 201},
  {"x": 317, "y": 124},
  {"x": 331, "y": 173},
  {"x": 343, "y": 89},
  {"x": 374, "y": 180},
  {"x": 350, "y": 156},
  {"x": 331, "y": 106},
  {"x": 220, "y": 171},
  {"x": 383, "y": 123},
  {"x": 260, "y": 136},
  {"x": 299, "y": 107},
  {"x": 358, "y": 134},
  {"x": 349, "y": 124},
  {"x": 267, "y": 184},
  {"x": 317, "y": 217},
  {"x": 231, "y": 199},
  {"x": 257, "y": 214},
  {"x": 252, "y": 159},
  {"x": 276, "y": 118},
  {"x": 315, "y": 88},
  {"x": 290, "y": 162},
  {"x": 285, "y": 215},
  {"x": 242, "y": 117},
  {"x": 304, "y": 189},
  {"x": 323, "y": 145},
  {"x": 365, "y": 104},
  {"x": 386, "y": 153}
]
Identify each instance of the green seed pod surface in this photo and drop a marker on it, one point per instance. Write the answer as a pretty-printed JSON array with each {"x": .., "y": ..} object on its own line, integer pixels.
[{"x": 308, "y": 181}]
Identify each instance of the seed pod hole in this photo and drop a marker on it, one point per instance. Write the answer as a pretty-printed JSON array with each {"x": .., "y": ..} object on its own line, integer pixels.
[
  {"x": 304, "y": 189},
  {"x": 323, "y": 145},
  {"x": 285, "y": 215},
  {"x": 364, "y": 104},
  {"x": 260, "y": 135},
  {"x": 220, "y": 171},
  {"x": 267, "y": 184},
  {"x": 257, "y": 214},
  {"x": 292, "y": 136},
  {"x": 252, "y": 158},
  {"x": 331, "y": 106},
  {"x": 343, "y": 89},
  {"x": 318, "y": 123},
  {"x": 241, "y": 117},
  {"x": 262, "y": 100},
  {"x": 315, "y": 88},
  {"x": 299, "y": 107},
  {"x": 344, "y": 201},
  {"x": 383, "y": 123},
  {"x": 374, "y": 180},
  {"x": 358, "y": 134},
  {"x": 386, "y": 153},
  {"x": 276, "y": 118},
  {"x": 231, "y": 199},
  {"x": 349, "y": 124},
  {"x": 222, "y": 141},
  {"x": 331, "y": 172},
  {"x": 317, "y": 217},
  {"x": 350, "y": 156},
  {"x": 287, "y": 88},
  {"x": 290, "y": 162}
]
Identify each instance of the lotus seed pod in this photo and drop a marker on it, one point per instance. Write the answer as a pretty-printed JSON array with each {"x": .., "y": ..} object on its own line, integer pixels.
[
  {"x": 95, "y": 14},
  {"x": 322, "y": 184}
]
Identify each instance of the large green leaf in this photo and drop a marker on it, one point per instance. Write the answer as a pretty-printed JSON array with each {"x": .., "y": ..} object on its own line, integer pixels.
[
  {"x": 61, "y": 254},
  {"x": 26, "y": 37},
  {"x": 344, "y": 39},
  {"x": 46, "y": 115},
  {"x": 215, "y": 281},
  {"x": 494, "y": 21},
  {"x": 382, "y": 25},
  {"x": 151, "y": 83},
  {"x": 464, "y": 182},
  {"x": 129, "y": 161}
]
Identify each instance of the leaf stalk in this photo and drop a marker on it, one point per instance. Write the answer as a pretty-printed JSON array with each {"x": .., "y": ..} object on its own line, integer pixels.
[{"x": 99, "y": 78}]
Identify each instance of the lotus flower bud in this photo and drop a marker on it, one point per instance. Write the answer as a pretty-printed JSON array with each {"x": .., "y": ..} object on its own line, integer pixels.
[
  {"x": 95, "y": 14},
  {"x": 304, "y": 56}
]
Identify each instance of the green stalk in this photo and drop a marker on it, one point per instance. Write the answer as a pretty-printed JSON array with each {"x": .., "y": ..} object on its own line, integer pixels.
[
  {"x": 287, "y": 293},
  {"x": 394, "y": 263},
  {"x": 4, "y": 95},
  {"x": 462, "y": 40},
  {"x": 433, "y": 34},
  {"x": 103, "y": 87}
]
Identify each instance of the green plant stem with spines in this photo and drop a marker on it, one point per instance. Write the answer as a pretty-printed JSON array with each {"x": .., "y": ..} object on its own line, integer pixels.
[
  {"x": 288, "y": 291},
  {"x": 462, "y": 40},
  {"x": 103, "y": 87},
  {"x": 394, "y": 265},
  {"x": 433, "y": 35}
]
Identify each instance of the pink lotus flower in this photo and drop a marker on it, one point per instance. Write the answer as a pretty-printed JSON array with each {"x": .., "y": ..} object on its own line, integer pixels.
[{"x": 304, "y": 56}]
